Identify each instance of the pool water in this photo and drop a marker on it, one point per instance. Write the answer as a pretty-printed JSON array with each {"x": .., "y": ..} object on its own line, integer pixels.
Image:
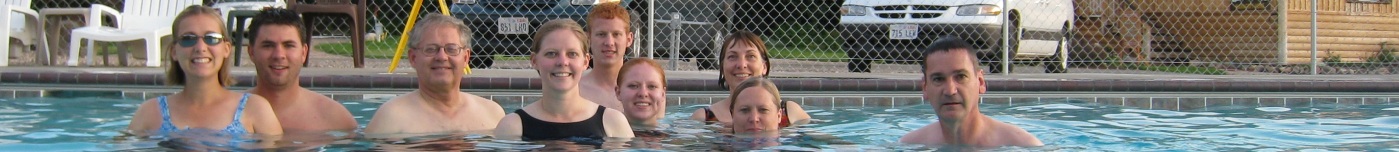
[{"x": 95, "y": 124}]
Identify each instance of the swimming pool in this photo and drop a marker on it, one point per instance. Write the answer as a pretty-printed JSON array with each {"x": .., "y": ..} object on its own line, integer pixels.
[{"x": 90, "y": 120}]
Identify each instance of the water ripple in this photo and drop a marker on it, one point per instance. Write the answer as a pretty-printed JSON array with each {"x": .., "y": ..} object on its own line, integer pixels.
[
  {"x": 1051, "y": 107},
  {"x": 1168, "y": 113},
  {"x": 40, "y": 135},
  {"x": 1198, "y": 121},
  {"x": 1124, "y": 116},
  {"x": 1273, "y": 109}
]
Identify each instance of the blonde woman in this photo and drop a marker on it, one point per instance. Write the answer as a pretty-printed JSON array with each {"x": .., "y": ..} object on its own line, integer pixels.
[{"x": 197, "y": 62}]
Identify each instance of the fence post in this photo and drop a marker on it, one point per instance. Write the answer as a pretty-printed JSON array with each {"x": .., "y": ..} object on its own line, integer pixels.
[
  {"x": 675, "y": 23},
  {"x": 1005, "y": 39},
  {"x": 1314, "y": 62},
  {"x": 651, "y": 29},
  {"x": 1282, "y": 31}
]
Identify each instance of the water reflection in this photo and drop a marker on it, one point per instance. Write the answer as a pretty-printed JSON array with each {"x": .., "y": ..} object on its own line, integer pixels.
[
  {"x": 749, "y": 141},
  {"x": 90, "y": 124}
]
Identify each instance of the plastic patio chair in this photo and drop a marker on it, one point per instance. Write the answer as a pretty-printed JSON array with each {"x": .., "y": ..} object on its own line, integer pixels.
[
  {"x": 32, "y": 30},
  {"x": 354, "y": 8},
  {"x": 147, "y": 20},
  {"x": 238, "y": 14}
]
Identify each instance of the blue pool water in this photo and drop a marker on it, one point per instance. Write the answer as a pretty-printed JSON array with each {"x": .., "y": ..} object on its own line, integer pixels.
[{"x": 94, "y": 124}]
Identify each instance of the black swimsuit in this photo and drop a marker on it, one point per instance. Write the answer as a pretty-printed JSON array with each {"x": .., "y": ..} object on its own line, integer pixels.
[{"x": 535, "y": 129}]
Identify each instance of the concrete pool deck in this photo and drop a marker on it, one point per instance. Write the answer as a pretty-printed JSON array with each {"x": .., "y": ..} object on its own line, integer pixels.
[{"x": 527, "y": 79}]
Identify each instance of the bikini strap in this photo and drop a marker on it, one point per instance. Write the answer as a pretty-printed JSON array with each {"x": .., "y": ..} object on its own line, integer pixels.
[
  {"x": 239, "y": 113},
  {"x": 164, "y": 110}
]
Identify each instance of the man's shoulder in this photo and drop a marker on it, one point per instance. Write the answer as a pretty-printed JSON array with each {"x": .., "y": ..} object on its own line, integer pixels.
[
  {"x": 396, "y": 102},
  {"x": 326, "y": 106},
  {"x": 1007, "y": 128},
  {"x": 479, "y": 100},
  {"x": 321, "y": 99},
  {"x": 475, "y": 98},
  {"x": 395, "y": 110},
  {"x": 929, "y": 134},
  {"x": 1016, "y": 136}
]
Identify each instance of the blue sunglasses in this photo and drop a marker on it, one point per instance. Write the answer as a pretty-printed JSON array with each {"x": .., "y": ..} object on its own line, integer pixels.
[{"x": 188, "y": 40}]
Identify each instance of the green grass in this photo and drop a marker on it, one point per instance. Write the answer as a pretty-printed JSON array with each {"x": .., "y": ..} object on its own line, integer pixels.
[
  {"x": 808, "y": 54},
  {"x": 1172, "y": 69},
  {"x": 1384, "y": 56},
  {"x": 383, "y": 49},
  {"x": 499, "y": 57},
  {"x": 1360, "y": 64},
  {"x": 806, "y": 42}
]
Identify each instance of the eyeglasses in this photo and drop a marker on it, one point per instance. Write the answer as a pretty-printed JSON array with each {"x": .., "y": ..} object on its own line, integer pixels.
[
  {"x": 452, "y": 50},
  {"x": 188, "y": 40}
]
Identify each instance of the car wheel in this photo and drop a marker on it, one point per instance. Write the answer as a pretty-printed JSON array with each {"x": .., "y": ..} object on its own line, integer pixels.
[
  {"x": 1058, "y": 63},
  {"x": 857, "y": 62},
  {"x": 1014, "y": 46},
  {"x": 858, "y": 65}
]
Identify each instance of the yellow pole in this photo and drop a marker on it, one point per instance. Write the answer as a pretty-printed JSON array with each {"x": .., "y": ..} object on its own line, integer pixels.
[
  {"x": 403, "y": 40},
  {"x": 444, "y": 5}
]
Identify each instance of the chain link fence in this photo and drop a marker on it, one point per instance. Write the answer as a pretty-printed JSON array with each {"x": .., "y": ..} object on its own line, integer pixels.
[{"x": 1234, "y": 37}]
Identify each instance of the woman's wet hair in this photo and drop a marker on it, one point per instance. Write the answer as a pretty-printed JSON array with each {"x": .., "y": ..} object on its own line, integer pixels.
[
  {"x": 633, "y": 63},
  {"x": 760, "y": 82},
  {"x": 554, "y": 25}
]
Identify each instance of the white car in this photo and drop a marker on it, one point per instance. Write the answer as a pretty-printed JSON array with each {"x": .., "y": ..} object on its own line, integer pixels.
[{"x": 898, "y": 30}]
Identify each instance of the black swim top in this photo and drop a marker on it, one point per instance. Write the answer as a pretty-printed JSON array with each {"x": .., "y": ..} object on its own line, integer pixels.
[{"x": 535, "y": 129}]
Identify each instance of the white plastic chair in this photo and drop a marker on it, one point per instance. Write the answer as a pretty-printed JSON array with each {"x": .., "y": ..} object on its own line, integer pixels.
[
  {"x": 147, "y": 20},
  {"x": 29, "y": 31}
]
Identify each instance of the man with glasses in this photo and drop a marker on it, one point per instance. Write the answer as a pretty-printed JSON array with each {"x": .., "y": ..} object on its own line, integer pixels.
[
  {"x": 279, "y": 50},
  {"x": 439, "y": 48}
]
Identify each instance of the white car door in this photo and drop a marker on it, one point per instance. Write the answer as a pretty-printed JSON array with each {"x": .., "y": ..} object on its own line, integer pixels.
[{"x": 1037, "y": 24}]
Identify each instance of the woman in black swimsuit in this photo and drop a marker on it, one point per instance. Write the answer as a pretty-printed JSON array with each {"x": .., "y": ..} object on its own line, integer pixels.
[
  {"x": 559, "y": 55},
  {"x": 745, "y": 56}
]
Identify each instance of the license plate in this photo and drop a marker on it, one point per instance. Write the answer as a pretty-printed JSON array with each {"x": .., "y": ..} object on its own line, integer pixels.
[
  {"x": 903, "y": 31},
  {"x": 512, "y": 25}
]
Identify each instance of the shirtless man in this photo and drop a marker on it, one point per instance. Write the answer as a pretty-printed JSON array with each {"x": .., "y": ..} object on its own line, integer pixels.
[
  {"x": 439, "y": 53},
  {"x": 278, "y": 52},
  {"x": 953, "y": 84},
  {"x": 609, "y": 32}
]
